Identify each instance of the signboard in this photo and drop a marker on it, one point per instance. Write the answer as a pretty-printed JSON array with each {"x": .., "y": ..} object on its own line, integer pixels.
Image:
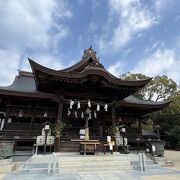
[
  {"x": 108, "y": 139},
  {"x": 153, "y": 148}
]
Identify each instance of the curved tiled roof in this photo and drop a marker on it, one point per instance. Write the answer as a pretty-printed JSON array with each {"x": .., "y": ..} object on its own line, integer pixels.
[
  {"x": 87, "y": 71},
  {"x": 25, "y": 86},
  {"x": 133, "y": 101}
]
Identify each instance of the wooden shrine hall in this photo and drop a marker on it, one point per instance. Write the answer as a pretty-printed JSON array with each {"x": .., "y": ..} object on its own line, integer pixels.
[{"x": 85, "y": 94}]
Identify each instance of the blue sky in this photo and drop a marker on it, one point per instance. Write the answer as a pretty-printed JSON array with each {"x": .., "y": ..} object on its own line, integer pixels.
[{"x": 140, "y": 36}]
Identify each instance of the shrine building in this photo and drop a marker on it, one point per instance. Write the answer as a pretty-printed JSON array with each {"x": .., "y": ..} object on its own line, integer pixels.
[{"x": 55, "y": 96}]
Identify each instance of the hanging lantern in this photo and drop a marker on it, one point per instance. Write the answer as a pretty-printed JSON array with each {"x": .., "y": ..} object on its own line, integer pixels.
[
  {"x": 78, "y": 105},
  {"x": 82, "y": 115},
  {"x": 69, "y": 112},
  {"x": 89, "y": 103},
  {"x": 98, "y": 107},
  {"x": 106, "y": 107},
  {"x": 95, "y": 114},
  {"x": 75, "y": 113}
]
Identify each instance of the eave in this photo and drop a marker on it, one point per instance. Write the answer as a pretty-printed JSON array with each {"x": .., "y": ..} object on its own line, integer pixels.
[
  {"x": 141, "y": 104},
  {"x": 76, "y": 77},
  {"x": 34, "y": 94}
]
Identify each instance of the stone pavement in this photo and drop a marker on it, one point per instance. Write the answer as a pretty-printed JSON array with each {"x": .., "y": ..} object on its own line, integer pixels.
[
  {"x": 162, "y": 177},
  {"x": 170, "y": 173},
  {"x": 170, "y": 156},
  {"x": 103, "y": 175},
  {"x": 75, "y": 176}
]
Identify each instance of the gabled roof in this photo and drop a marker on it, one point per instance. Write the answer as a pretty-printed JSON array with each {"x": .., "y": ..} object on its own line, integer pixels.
[{"x": 88, "y": 69}]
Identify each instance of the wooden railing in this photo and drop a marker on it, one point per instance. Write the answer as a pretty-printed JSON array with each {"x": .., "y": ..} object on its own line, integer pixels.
[
  {"x": 23, "y": 133},
  {"x": 21, "y": 129}
]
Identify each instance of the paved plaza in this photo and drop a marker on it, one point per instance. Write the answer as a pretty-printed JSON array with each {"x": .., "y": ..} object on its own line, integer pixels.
[
  {"x": 104, "y": 175},
  {"x": 169, "y": 173}
]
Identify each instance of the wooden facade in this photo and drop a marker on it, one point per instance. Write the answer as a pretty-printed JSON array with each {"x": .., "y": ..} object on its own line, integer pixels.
[{"x": 45, "y": 94}]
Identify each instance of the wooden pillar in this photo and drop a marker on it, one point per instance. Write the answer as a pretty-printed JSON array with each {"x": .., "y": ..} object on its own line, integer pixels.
[
  {"x": 7, "y": 117},
  {"x": 32, "y": 119},
  {"x": 102, "y": 127},
  {"x": 58, "y": 122},
  {"x": 33, "y": 116},
  {"x": 139, "y": 126},
  {"x": 114, "y": 123},
  {"x": 60, "y": 110},
  {"x": 140, "y": 133},
  {"x": 113, "y": 108}
]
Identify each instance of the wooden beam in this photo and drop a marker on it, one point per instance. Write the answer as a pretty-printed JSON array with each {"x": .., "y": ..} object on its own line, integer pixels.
[{"x": 60, "y": 110}]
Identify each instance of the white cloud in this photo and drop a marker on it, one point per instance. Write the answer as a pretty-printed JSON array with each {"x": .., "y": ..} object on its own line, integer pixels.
[
  {"x": 154, "y": 46},
  {"x": 116, "y": 69},
  {"x": 132, "y": 17},
  {"x": 161, "y": 62},
  {"x": 25, "y": 24},
  {"x": 161, "y": 4},
  {"x": 9, "y": 62},
  {"x": 45, "y": 60},
  {"x": 177, "y": 18},
  {"x": 61, "y": 9},
  {"x": 30, "y": 27}
]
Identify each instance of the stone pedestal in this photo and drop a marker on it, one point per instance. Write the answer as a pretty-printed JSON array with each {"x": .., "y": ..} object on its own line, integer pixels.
[{"x": 6, "y": 166}]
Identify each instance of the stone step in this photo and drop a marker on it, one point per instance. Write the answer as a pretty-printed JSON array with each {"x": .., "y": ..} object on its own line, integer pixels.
[
  {"x": 167, "y": 163},
  {"x": 93, "y": 158},
  {"x": 94, "y": 168},
  {"x": 148, "y": 162},
  {"x": 94, "y": 163},
  {"x": 35, "y": 165},
  {"x": 148, "y": 167},
  {"x": 39, "y": 158},
  {"x": 35, "y": 171},
  {"x": 71, "y": 162},
  {"x": 87, "y": 163}
]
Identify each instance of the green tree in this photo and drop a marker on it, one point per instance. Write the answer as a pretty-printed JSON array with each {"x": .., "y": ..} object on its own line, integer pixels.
[
  {"x": 129, "y": 76},
  {"x": 160, "y": 88},
  {"x": 174, "y": 108},
  {"x": 169, "y": 118},
  {"x": 148, "y": 125}
]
